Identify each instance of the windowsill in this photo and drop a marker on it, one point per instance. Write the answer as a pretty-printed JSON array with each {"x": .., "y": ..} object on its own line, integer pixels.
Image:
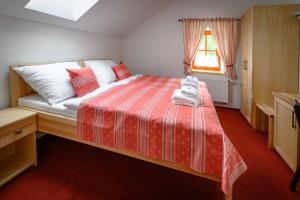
[{"x": 208, "y": 72}]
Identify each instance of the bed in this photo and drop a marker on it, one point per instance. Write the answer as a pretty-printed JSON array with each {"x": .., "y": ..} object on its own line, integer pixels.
[{"x": 70, "y": 123}]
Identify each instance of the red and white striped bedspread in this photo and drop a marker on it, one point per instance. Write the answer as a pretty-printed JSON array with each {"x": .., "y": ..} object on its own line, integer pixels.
[{"x": 140, "y": 117}]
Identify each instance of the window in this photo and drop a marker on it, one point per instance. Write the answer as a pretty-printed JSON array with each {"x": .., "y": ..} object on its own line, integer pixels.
[
  {"x": 207, "y": 57},
  {"x": 67, "y": 9}
]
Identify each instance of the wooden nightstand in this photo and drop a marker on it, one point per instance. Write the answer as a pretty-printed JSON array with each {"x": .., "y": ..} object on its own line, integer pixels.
[{"x": 17, "y": 142}]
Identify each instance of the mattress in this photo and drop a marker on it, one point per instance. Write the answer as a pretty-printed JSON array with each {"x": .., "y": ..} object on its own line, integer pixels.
[{"x": 37, "y": 102}]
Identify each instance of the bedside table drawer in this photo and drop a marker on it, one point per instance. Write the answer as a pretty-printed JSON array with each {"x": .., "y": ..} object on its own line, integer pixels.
[{"x": 17, "y": 130}]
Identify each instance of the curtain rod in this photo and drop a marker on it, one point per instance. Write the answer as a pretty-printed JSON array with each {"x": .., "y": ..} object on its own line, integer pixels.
[{"x": 181, "y": 20}]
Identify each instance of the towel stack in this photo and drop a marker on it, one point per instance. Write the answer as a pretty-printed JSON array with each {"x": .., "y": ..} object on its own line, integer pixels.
[{"x": 188, "y": 92}]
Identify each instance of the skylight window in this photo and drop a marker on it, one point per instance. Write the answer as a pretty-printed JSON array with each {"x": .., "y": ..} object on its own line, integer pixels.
[{"x": 67, "y": 9}]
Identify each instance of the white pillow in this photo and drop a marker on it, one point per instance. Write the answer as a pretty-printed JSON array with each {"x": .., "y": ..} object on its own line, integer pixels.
[
  {"x": 51, "y": 81},
  {"x": 102, "y": 70}
]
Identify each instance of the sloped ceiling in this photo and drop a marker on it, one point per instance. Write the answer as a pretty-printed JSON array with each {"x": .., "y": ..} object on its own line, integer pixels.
[{"x": 110, "y": 17}]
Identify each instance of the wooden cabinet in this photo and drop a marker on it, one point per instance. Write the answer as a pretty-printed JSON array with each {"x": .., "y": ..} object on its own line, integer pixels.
[
  {"x": 17, "y": 142},
  {"x": 286, "y": 131},
  {"x": 269, "y": 55}
]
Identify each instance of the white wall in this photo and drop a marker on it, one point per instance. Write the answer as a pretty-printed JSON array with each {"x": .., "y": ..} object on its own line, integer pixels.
[
  {"x": 156, "y": 46},
  {"x": 26, "y": 42}
]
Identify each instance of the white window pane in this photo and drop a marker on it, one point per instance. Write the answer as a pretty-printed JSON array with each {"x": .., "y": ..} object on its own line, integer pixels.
[
  {"x": 206, "y": 60},
  {"x": 202, "y": 45}
]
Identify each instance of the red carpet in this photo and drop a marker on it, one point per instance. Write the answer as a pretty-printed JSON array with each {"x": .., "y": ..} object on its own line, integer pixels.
[{"x": 69, "y": 170}]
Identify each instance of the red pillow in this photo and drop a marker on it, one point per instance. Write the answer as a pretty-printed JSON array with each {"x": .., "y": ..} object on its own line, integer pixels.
[
  {"x": 83, "y": 80},
  {"x": 121, "y": 72}
]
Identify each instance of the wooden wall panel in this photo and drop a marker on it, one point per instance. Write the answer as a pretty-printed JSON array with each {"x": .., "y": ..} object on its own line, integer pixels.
[{"x": 275, "y": 52}]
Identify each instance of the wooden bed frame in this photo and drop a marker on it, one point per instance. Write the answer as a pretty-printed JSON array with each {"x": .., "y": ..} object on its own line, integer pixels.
[{"x": 65, "y": 127}]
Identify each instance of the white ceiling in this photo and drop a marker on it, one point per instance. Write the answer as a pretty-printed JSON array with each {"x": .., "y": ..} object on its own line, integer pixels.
[{"x": 111, "y": 17}]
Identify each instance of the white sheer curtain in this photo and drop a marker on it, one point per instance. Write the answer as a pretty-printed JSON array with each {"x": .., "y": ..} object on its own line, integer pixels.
[
  {"x": 225, "y": 33},
  {"x": 193, "y": 30}
]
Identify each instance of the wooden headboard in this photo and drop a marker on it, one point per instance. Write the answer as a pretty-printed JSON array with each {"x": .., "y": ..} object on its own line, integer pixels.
[{"x": 18, "y": 87}]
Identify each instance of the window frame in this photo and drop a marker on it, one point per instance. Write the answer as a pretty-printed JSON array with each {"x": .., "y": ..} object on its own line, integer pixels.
[{"x": 206, "y": 50}]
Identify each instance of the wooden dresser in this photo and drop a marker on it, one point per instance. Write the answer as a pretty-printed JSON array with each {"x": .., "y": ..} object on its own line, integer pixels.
[
  {"x": 17, "y": 142},
  {"x": 286, "y": 130}
]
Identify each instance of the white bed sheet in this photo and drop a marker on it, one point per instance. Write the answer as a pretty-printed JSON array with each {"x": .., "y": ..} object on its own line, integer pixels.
[
  {"x": 37, "y": 102},
  {"x": 67, "y": 108}
]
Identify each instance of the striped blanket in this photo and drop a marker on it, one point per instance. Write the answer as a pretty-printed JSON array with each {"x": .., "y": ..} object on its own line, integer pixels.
[{"x": 140, "y": 117}]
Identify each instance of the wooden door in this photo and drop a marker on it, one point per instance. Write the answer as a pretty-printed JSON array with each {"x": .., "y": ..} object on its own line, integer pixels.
[
  {"x": 286, "y": 133},
  {"x": 243, "y": 47},
  {"x": 246, "y": 64}
]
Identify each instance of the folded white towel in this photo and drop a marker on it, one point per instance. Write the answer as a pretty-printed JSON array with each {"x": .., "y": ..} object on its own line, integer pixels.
[
  {"x": 193, "y": 78},
  {"x": 179, "y": 99},
  {"x": 191, "y": 83},
  {"x": 189, "y": 91}
]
